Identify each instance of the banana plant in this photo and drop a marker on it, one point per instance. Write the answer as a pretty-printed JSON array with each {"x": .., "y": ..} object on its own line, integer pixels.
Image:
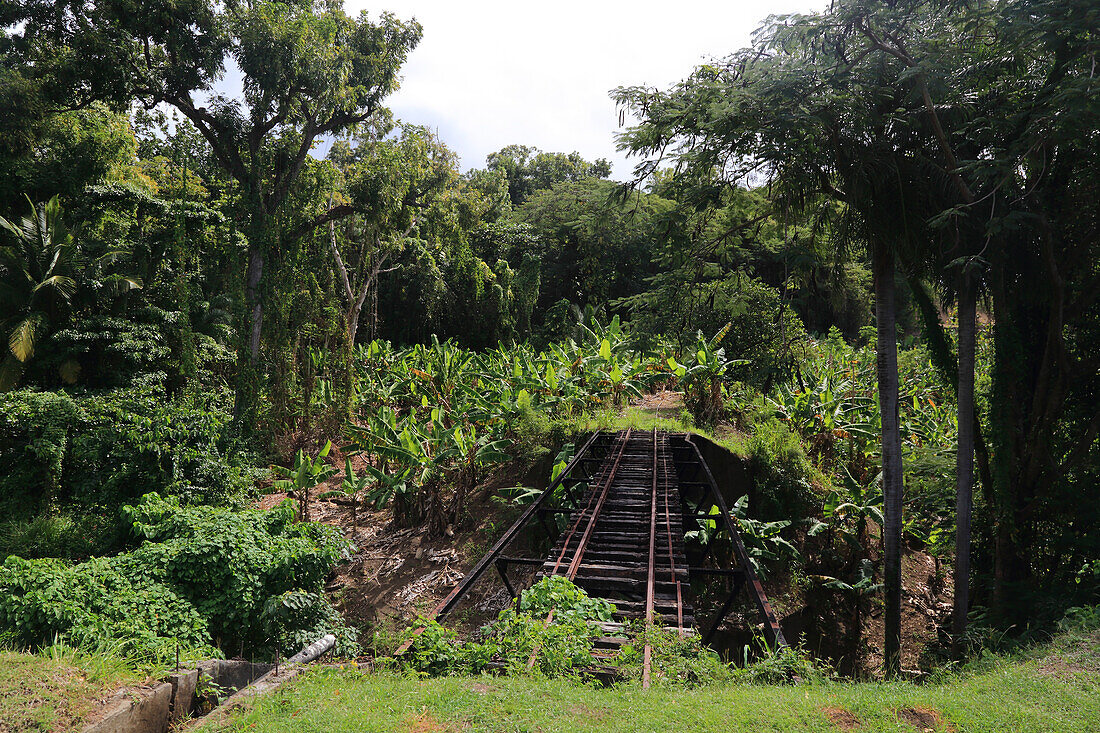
[
  {"x": 472, "y": 453},
  {"x": 762, "y": 540},
  {"x": 304, "y": 475},
  {"x": 704, "y": 376},
  {"x": 848, "y": 512},
  {"x": 350, "y": 488}
]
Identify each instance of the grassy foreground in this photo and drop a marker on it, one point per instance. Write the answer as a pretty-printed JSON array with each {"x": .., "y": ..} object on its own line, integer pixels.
[
  {"x": 55, "y": 690},
  {"x": 1057, "y": 691}
]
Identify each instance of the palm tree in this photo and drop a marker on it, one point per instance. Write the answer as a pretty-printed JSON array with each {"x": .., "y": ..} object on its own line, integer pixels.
[{"x": 36, "y": 282}]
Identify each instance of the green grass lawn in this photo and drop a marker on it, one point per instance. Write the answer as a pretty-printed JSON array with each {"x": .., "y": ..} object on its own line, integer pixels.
[
  {"x": 1058, "y": 690},
  {"x": 56, "y": 690}
]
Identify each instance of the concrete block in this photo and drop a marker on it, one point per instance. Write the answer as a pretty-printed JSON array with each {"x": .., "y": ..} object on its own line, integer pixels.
[
  {"x": 147, "y": 714},
  {"x": 183, "y": 692},
  {"x": 233, "y": 674}
]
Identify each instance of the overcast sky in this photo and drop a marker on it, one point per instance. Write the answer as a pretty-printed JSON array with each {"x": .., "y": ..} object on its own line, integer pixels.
[{"x": 490, "y": 73}]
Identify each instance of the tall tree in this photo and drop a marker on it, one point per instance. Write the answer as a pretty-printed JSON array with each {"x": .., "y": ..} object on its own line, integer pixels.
[
  {"x": 309, "y": 70},
  {"x": 995, "y": 112},
  {"x": 821, "y": 117},
  {"x": 957, "y": 152},
  {"x": 529, "y": 169},
  {"x": 392, "y": 181}
]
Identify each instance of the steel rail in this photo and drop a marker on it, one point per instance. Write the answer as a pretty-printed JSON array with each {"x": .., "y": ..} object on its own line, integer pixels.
[
  {"x": 571, "y": 571},
  {"x": 581, "y": 515},
  {"x": 647, "y": 656},
  {"x": 448, "y": 603},
  {"x": 579, "y": 556},
  {"x": 671, "y": 558}
]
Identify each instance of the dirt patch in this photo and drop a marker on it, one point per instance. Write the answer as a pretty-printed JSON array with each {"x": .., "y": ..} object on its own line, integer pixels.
[
  {"x": 425, "y": 723},
  {"x": 667, "y": 402},
  {"x": 841, "y": 718},
  {"x": 396, "y": 573},
  {"x": 925, "y": 607},
  {"x": 924, "y": 719},
  {"x": 1061, "y": 669},
  {"x": 1072, "y": 655},
  {"x": 583, "y": 711}
]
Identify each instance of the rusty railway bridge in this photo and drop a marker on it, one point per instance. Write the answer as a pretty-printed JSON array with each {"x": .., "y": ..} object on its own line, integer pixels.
[{"x": 615, "y": 522}]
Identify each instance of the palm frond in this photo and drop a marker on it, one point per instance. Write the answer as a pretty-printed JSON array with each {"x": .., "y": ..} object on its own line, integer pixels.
[{"x": 22, "y": 338}]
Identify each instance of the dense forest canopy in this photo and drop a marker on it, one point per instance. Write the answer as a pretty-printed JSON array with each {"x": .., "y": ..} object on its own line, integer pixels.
[{"x": 870, "y": 241}]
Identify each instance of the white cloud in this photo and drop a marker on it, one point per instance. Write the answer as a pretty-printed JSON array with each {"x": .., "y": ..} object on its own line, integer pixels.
[{"x": 488, "y": 74}]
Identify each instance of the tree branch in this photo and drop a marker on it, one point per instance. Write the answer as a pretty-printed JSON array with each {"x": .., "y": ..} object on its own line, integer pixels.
[
  {"x": 340, "y": 267},
  {"x": 333, "y": 214}
]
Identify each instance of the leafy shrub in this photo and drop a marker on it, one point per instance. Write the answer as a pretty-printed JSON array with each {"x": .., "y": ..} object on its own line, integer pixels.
[
  {"x": 204, "y": 577},
  {"x": 675, "y": 659},
  {"x": 557, "y": 593},
  {"x": 765, "y": 330},
  {"x": 781, "y": 666},
  {"x": 561, "y": 647}
]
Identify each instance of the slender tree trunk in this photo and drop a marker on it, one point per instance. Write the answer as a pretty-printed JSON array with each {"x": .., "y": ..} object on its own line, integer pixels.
[
  {"x": 887, "y": 353},
  {"x": 947, "y": 364},
  {"x": 353, "y": 323},
  {"x": 964, "y": 470},
  {"x": 248, "y": 354},
  {"x": 252, "y": 294}
]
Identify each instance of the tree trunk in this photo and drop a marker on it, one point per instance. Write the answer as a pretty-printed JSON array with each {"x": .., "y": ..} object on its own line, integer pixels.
[
  {"x": 252, "y": 294},
  {"x": 248, "y": 358},
  {"x": 887, "y": 357},
  {"x": 353, "y": 323},
  {"x": 964, "y": 466}
]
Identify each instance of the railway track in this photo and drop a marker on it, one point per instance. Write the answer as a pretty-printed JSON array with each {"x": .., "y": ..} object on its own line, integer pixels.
[{"x": 623, "y": 539}]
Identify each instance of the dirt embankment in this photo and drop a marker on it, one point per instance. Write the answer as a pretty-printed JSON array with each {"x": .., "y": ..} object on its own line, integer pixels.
[{"x": 396, "y": 573}]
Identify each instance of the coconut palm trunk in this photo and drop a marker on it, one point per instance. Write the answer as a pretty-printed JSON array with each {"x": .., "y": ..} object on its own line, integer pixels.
[
  {"x": 887, "y": 359},
  {"x": 964, "y": 467}
]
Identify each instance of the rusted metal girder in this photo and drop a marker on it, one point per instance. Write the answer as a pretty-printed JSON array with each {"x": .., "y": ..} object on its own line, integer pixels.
[{"x": 772, "y": 631}]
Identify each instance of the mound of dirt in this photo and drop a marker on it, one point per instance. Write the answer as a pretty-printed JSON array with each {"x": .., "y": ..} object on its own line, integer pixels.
[
  {"x": 925, "y": 720},
  {"x": 841, "y": 718}
]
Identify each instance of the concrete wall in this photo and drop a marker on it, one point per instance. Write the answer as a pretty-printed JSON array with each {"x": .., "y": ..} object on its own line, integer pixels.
[{"x": 152, "y": 710}]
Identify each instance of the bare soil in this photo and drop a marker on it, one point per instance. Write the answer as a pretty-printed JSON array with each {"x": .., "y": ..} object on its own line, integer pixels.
[
  {"x": 924, "y": 719},
  {"x": 925, "y": 606},
  {"x": 663, "y": 403},
  {"x": 397, "y": 573},
  {"x": 1076, "y": 655},
  {"x": 841, "y": 718}
]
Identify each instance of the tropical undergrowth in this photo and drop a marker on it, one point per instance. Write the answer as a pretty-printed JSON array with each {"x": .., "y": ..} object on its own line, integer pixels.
[
  {"x": 69, "y": 462},
  {"x": 205, "y": 580},
  {"x": 432, "y": 420},
  {"x": 550, "y": 630}
]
